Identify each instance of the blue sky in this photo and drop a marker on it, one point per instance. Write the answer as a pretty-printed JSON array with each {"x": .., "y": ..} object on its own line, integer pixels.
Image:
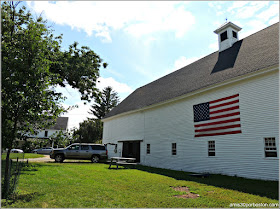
[{"x": 143, "y": 41}]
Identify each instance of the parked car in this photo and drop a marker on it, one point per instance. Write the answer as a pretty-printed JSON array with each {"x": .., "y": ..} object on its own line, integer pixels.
[
  {"x": 44, "y": 150},
  {"x": 82, "y": 151},
  {"x": 16, "y": 151}
]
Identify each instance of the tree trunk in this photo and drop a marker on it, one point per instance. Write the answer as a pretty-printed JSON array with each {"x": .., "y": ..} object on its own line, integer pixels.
[
  {"x": 7, "y": 176},
  {"x": 7, "y": 166}
]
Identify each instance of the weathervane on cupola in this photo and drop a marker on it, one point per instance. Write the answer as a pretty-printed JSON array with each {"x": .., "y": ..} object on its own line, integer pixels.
[{"x": 227, "y": 35}]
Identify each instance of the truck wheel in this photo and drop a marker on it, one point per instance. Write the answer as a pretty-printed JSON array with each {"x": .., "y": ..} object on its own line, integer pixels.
[
  {"x": 95, "y": 159},
  {"x": 59, "y": 158}
]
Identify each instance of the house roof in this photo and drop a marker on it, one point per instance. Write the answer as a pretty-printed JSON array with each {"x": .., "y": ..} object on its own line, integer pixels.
[
  {"x": 253, "y": 53},
  {"x": 61, "y": 123}
]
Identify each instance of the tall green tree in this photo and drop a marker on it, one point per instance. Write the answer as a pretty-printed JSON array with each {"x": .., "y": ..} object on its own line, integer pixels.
[
  {"x": 105, "y": 101},
  {"x": 90, "y": 131},
  {"x": 33, "y": 63}
]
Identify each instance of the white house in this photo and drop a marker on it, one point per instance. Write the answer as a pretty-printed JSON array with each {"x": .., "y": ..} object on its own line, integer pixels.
[
  {"x": 61, "y": 124},
  {"x": 219, "y": 114}
]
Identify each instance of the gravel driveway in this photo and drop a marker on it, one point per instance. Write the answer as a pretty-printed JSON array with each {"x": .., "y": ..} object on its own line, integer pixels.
[{"x": 45, "y": 159}]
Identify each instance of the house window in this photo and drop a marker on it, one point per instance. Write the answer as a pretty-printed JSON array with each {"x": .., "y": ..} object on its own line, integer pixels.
[
  {"x": 148, "y": 148},
  {"x": 174, "y": 149},
  {"x": 211, "y": 148},
  {"x": 234, "y": 34},
  {"x": 224, "y": 36},
  {"x": 46, "y": 133},
  {"x": 270, "y": 147}
]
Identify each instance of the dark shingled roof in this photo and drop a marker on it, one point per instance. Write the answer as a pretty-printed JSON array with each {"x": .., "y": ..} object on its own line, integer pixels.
[
  {"x": 61, "y": 123},
  {"x": 253, "y": 53}
]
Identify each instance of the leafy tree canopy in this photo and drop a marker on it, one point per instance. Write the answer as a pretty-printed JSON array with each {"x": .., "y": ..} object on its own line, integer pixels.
[
  {"x": 90, "y": 131},
  {"x": 33, "y": 63}
]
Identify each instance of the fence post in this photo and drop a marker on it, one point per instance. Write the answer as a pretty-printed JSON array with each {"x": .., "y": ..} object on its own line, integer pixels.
[{"x": 17, "y": 165}]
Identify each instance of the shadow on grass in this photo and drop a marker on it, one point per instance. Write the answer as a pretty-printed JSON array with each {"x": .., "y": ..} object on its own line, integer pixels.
[
  {"x": 262, "y": 188},
  {"x": 29, "y": 168},
  {"x": 19, "y": 197}
]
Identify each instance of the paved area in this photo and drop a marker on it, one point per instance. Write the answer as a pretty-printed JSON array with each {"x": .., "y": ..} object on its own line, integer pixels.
[{"x": 45, "y": 159}]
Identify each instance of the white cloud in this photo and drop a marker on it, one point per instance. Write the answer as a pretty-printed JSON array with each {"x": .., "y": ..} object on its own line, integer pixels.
[
  {"x": 254, "y": 26},
  {"x": 246, "y": 9},
  {"x": 80, "y": 114},
  {"x": 71, "y": 94},
  {"x": 218, "y": 7},
  {"x": 254, "y": 15},
  {"x": 214, "y": 46},
  {"x": 272, "y": 11},
  {"x": 274, "y": 20},
  {"x": 117, "y": 86},
  {"x": 216, "y": 4},
  {"x": 77, "y": 115},
  {"x": 99, "y": 18},
  {"x": 183, "y": 61},
  {"x": 237, "y": 4},
  {"x": 180, "y": 63}
]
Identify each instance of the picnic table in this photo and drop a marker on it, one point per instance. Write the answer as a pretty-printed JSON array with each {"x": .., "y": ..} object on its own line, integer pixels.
[{"x": 122, "y": 161}]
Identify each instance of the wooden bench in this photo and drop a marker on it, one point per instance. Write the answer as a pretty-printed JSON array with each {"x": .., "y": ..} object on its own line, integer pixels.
[
  {"x": 126, "y": 163},
  {"x": 122, "y": 161}
]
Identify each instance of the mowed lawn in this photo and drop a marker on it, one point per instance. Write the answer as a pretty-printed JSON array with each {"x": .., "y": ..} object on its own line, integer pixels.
[
  {"x": 21, "y": 155},
  {"x": 87, "y": 185}
]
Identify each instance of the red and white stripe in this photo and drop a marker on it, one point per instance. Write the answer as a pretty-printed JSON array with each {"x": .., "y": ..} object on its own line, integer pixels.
[{"x": 224, "y": 118}]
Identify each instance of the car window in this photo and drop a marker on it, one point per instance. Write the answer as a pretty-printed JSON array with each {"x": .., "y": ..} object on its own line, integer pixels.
[
  {"x": 84, "y": 147},
  {"x": 74, "y": 147},
  {"x": 98, "y": 147}
]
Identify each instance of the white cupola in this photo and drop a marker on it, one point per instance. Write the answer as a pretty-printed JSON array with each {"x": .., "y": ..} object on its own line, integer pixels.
[{"x": 227, "y": 35}]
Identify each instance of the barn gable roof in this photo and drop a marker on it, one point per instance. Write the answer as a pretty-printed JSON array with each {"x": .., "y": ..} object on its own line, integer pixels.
[{"x": 253, "y": 53}]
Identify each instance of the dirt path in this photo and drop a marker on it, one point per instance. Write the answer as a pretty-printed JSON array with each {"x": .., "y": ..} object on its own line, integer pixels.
[{"x": 45, "y": 159}]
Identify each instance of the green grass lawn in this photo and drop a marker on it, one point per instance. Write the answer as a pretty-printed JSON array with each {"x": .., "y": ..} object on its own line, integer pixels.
[
  {"x": 87, "y": 185},
  {"x": 21, "y": 155}
]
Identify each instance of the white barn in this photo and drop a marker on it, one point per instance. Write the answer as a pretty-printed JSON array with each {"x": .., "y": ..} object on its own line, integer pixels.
[{"x": 219, "y": 114}]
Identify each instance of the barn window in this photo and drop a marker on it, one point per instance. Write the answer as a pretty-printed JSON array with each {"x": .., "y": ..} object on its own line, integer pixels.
[
  {"x": 270, "y": 147},
  {"x": 211, "y": 148},
  {"x": 224, "y": 36},
  {"x": 148, "y": 148},
  {"x": 174, "y": 149},
  {"x": 46, "y": 133},
  {"x": 234, "y": 34}
]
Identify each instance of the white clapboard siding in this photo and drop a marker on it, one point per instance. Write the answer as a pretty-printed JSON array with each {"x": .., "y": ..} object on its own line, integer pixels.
[
  {"x": 41, "y": 134},
  {"x": 236, "y": 154},
  {"x": 130, "y": 127}
]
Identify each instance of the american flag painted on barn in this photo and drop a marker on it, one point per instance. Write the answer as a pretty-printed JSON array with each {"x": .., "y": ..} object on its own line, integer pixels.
[{"x": 218, "y": 117}]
